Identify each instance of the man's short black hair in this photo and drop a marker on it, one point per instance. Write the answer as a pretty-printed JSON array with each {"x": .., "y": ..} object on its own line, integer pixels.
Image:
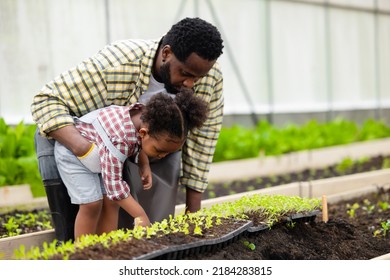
[{"x": 194, "y": 35}]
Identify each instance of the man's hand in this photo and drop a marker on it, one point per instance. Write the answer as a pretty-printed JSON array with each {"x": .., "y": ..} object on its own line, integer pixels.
[{"x": 193, "y": 200}]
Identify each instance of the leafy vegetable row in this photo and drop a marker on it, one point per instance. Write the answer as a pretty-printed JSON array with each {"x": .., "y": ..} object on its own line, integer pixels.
[{"x": 238, "y": 142}]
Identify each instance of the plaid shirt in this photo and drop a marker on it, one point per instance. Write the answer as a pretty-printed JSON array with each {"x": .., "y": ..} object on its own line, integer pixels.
[
  {"x": 120, "y": 129},
  {"x": 119, "y": 74}
]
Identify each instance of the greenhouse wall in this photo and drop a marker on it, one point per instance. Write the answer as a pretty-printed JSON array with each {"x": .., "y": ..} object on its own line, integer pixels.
[{"x": 284, "y": 60}]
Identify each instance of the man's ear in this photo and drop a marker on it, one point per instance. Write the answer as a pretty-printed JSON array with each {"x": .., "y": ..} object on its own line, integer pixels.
[{"x": 166, "y": 52}]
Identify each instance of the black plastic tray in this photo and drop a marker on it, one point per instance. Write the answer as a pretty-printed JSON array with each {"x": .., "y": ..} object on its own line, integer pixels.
[
  {"x": 299, "y": 217},
  {"x": 179, "y": 251},
  {"x": 304, "y": 218}
]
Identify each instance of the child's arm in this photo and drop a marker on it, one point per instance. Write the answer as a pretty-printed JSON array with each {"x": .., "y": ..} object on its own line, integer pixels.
[
  {"x": 144, "y": 170},
  {"x": 131, "y": 206}
]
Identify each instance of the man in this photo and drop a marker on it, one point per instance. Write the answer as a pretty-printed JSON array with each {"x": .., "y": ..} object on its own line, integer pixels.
[{"x": 124, "y": 73}]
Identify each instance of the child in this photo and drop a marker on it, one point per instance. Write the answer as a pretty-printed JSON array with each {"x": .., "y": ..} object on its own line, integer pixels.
[{"x": 95, "y": 181}]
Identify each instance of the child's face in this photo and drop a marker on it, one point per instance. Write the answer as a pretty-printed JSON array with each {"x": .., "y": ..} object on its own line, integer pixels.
[{"x": 161, "y": 146}]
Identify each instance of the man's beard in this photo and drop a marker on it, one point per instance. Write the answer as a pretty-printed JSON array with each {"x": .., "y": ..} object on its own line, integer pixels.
[{"x": 166, "y": 78}]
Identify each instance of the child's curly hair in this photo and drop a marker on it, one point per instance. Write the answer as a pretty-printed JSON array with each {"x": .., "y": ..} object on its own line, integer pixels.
[{"x": 175, "y": 116}]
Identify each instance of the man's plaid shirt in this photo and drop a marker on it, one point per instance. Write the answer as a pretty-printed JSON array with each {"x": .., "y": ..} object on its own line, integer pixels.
[
  {"x": 119, "y": 74},
  {"x": 117, "y": 123}
]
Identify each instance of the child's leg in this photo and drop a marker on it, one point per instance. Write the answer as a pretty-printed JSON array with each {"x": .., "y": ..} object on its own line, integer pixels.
[
  {"x": 84, "y": 189},
  {"x": 109, "y": 216},
  {"x": 87, "y": 218}
]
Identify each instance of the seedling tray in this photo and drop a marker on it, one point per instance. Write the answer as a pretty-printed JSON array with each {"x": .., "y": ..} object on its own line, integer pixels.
[
  {"x": 296, "y": 218},
  {"x": 304, "y": 217},
  {"x": 198, "y": 247}
]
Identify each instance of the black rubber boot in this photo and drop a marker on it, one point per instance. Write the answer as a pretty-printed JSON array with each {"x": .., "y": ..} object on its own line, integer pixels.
[{"x": 62, "y": 210}]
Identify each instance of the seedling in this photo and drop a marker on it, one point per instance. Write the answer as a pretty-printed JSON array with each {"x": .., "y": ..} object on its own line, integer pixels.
[
  {"x": 249, "y": 245},
  {"x": 386, "y": 163},
  {"x": 291, "y": 224},
  {"x": 383, "y": 205},
  {"x": 345, "y": 165},
  {"x": 12, "y": 227},
  {"x": 352, "y": 209},
  {"x": 385, "y": 228},
  {"x": 368, "y": 206}
]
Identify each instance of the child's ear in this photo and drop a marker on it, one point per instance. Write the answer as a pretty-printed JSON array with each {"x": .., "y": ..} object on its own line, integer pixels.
[{"x": 143, "y": 132}]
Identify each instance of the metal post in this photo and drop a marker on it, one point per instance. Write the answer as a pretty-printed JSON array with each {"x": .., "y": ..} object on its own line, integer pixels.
[
  {"x": 108, "y": 25},
  {"x": 235, "y": 65},
  {"x": 378, "y": 111},
  {"x": 328, "y": 63},
  {"x": 269, "y": 53}
]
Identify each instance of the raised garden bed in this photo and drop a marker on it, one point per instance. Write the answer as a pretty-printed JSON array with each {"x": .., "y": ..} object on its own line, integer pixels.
[
  {"x": 24, "y": 227},
  {"x": 184, "y": 235},
  {"x": 345, "y": 236}
]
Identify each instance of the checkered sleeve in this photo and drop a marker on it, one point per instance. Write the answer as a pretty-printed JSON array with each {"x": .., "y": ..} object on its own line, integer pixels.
[
  {"x": 198, "y": 151},
  {"x": 109, "y": 77},
  {"x": 73, "y": 93}
]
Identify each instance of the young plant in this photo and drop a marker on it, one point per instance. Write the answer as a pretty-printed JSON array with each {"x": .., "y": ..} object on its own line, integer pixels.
[
  {"x": 12, "y": 227},
  {"x": 352, "y": 209},
  {"x": 385, "y": 228},
  {"x": 249, "y": 245}
]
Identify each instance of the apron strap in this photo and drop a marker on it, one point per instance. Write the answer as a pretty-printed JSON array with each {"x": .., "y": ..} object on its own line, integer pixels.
[
  {"x": 91, "y": 118},
  {"x": 99, "y": 128}
]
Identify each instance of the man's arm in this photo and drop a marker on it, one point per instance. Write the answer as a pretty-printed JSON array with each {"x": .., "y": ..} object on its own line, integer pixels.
[
  {"x": 71, "y": 138},
  {"x": 198, "y": 151},
  {"x": 193, "y": 200}
]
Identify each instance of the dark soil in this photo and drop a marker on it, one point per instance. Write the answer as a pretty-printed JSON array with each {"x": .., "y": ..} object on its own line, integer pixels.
[{"x": 341, "y": 238}]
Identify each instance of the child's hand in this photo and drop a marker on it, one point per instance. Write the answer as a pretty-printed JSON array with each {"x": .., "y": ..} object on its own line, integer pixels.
[
  {"x": 146, "y": 177},
  {"x": 144, "y": 170},
  {"x": 142, "y": 221}
]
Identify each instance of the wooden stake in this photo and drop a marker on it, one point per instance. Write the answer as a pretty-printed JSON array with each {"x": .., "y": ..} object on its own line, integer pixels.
[{"x": 324, "y": 209}]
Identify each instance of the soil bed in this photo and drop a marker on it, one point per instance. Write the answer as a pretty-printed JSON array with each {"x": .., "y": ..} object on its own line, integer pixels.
[{"x": 341, "y": 238}]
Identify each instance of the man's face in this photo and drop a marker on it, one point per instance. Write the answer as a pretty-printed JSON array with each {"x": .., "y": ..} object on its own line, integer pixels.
[{"x": 176, "y": 74}]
